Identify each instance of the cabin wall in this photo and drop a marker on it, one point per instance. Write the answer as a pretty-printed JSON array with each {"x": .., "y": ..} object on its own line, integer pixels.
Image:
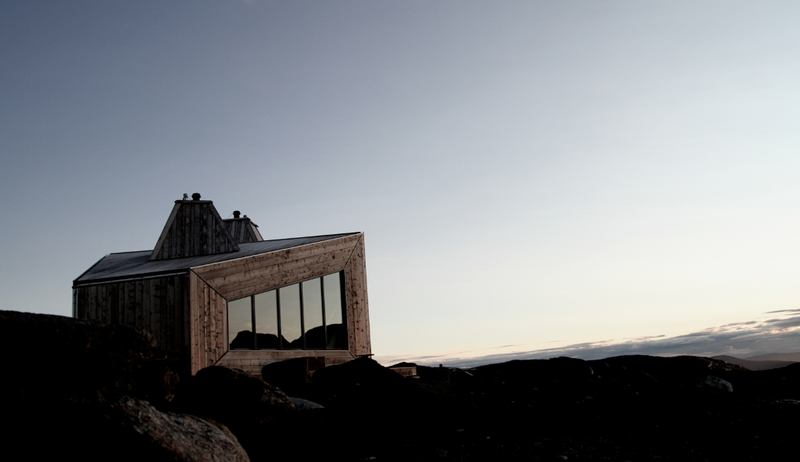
[
  {"x": 208, "y": 324},
  {"x": 159, "y": 306},
  {"x": 213, "y": 285}
]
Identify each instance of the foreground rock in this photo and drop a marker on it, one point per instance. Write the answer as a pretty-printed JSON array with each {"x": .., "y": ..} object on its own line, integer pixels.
[
  {"x": 77, "y": 388},
  {"x": 171, "y": 436},
  {"x": 233, "y": 397},
  {"x": 717, "y": 383},
  {"x": 245, "y": 404},
  {"x": 83, "y": 357},
  {"x": 291, "y": 376}
]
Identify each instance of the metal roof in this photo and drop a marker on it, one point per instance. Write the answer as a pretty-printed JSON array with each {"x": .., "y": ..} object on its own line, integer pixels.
[{"x": 134, "y": 265}]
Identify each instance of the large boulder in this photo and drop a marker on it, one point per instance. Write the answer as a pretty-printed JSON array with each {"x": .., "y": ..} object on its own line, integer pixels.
[
  {"x": 361, "y": 382},
  {"x": 233, "y": 397},
  {"x": 157, "y": 435},
  {"x": 128, "y": 429},
  {"x": 69, "y": 388},
  {"x": 716, "y": 383},
  {"x": 358, "y": 372},
  {"x": 83, "y": 357},
  {"x": 251, "y": 408},
  {"x": 292, "y": 375}
]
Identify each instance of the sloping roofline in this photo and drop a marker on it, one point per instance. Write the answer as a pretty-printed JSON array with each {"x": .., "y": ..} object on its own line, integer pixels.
[{"x": 137, "y": 265}]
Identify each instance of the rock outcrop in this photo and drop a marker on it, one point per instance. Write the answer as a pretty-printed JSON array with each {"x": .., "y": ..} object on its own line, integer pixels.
[
  {"x": 291, "y": 375},
  {"x": 233, "y": 397},
  {"x": 168, "y": 436},
  {"x": 77, "y": 389}
]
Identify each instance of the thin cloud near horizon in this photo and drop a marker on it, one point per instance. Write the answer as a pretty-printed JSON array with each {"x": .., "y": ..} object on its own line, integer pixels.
[{"x": 746, "y": 338}]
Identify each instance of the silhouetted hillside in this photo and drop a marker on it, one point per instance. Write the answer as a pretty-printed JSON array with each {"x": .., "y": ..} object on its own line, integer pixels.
[
  {"x": 793, "y": 357},
  {"x": 755, "y": 365}
]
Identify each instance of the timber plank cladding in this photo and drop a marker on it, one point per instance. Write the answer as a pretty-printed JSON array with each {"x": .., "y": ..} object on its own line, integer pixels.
[{"x": 180, "y": 292}]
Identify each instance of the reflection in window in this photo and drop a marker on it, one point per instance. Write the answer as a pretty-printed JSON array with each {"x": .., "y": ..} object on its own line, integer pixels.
[
  {"x": 240, "y": 319},
  {"x": 336, "y": 334},
  {"x": 307, "y": 315},
  {"x": 291, "y": 323},
  {"x": 312, "y": 315},
  {"x": 266, "y": 310}
]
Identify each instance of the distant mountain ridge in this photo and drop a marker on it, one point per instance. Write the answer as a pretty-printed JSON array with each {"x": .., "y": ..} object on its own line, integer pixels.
[
  {"x": 791, "y": 357},
  {"x": 762, "y": 362}
]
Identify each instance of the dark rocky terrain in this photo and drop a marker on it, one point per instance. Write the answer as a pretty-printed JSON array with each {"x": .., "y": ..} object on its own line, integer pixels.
[{"x": 98, "y": 392}]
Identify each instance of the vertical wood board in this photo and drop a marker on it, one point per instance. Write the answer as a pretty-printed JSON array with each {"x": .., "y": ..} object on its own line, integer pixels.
[{"x": 149, "y": 304}]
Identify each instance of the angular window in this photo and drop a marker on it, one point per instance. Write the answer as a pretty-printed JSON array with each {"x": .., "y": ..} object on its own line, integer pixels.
[
  {"x": 313, "y": 328},
  {"x": 290, "y": 316},
  {"x": 266, "y": 310},
  {"x": 336, "y": 333},
  {"x": 240, "y": 324},
  {"x": 305, "y": 316}
]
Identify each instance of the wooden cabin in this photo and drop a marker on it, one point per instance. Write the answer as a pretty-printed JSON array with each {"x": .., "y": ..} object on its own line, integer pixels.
[{"x": 214, "y": 292}]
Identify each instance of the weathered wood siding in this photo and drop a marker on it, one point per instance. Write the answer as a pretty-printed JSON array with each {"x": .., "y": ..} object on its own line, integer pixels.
[
  {"x": 355, "y": 286},
  {"x": 208, "y": 324},
  {"x": 193, "y": 228},
  {"x": 213, "y": 285},
  {"x": 157, "y": 305},
  {"x": 239, "y": 278},
  {"x": 242, "y": 230}
]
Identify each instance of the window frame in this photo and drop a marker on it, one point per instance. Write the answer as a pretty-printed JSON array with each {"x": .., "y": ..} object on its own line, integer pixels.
[{"x": 324, "y": 318}]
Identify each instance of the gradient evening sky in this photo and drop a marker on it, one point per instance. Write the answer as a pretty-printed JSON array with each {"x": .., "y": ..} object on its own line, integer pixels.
[{"x": 534, "y": 174}]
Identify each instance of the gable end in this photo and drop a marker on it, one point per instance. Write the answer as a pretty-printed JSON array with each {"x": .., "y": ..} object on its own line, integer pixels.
[{"x": 194, "y": 228}]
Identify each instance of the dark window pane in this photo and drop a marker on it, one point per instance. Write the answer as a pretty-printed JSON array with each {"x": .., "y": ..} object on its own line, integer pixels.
[
  {"x": 266, "y": 320},
  {"x": 240, "y": 324},
  {"x": 312, "y": 312},
  {"x": 290, "y": 316},
  {"x": 337, "y": 334}
]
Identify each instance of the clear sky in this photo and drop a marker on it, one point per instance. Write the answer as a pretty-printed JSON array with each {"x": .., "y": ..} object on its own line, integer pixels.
[{"x": 528, "y": 174}]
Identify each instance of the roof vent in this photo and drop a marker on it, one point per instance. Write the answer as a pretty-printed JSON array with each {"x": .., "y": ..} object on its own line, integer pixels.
[
  {"x": 186, "y": 196},
  {"x": 196, "y": 196},
  {"x": 236, "y": 213}
]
